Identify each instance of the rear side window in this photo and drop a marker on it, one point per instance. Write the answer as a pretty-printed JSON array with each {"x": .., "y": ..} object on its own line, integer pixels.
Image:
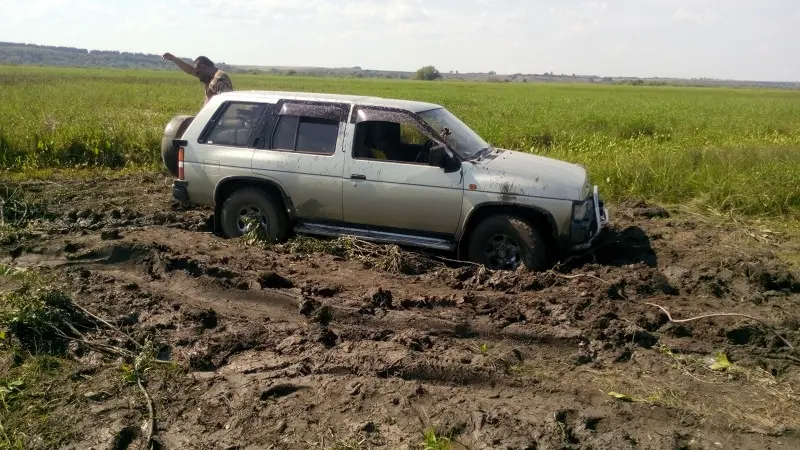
[
  {"x": 235, "y": 126},
  {"x": 305, "y": 134}
]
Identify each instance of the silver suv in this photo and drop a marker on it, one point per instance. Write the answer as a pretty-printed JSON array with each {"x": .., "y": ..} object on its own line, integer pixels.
[{"x": 384, "y": 170}]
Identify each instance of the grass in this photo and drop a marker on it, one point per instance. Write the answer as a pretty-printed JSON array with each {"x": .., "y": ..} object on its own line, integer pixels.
[
  {"x": 434, "y": 441},
  {"x": 34, "y": 375},
  {"x": 39, "y": 402},
  {"x": 729, "y": 149},
  {"x": 29, "y": 393}
]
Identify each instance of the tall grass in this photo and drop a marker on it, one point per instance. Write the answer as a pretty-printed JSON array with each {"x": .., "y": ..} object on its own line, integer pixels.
[{"x": 729, "y": 149}]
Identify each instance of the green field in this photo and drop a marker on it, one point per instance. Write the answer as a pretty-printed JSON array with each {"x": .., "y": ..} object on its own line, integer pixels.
[{"x": 733, "y": 150}]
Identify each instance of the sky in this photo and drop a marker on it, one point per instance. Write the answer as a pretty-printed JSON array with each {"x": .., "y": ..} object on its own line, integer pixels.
[{"x": 729, "y": 39}]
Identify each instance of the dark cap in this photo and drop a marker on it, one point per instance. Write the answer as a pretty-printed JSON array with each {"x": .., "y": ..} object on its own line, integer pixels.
[{"x": 204, "y": 61}]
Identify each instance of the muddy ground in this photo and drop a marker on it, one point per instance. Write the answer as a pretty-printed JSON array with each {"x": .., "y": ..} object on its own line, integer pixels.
[{"x": 284, "y": 349}]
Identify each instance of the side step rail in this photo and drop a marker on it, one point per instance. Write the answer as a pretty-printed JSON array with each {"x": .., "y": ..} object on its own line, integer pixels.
[{"x": 376, "y": 236}]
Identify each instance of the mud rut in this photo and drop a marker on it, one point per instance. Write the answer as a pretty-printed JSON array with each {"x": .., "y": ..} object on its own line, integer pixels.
[{"x": 288, "y": 350}]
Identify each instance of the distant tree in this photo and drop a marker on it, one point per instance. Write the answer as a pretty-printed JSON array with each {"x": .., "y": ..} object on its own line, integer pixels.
[
  {"x": 492, "y": 72},
  {"x": 427, "y": 73}
]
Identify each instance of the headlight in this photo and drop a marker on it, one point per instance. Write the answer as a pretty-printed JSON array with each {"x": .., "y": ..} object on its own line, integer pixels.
[
  {"x": 580, "y": 210},
  {"x": 587, "y": 189}
]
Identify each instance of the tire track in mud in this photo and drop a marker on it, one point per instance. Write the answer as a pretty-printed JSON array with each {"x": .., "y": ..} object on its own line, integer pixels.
[{"x": 187, "y": 281}]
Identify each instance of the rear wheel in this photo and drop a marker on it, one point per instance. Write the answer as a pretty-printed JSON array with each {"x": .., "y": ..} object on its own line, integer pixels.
[
  {"x": 250, "y": 203},
  {"x": 505, "y": 242}
]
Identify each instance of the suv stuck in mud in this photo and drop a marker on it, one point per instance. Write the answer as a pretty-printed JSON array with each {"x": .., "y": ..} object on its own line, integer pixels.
[{"x": 385, "y": 170}]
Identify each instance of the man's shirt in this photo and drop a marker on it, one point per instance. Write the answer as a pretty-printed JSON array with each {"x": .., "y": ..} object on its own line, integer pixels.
[{"x": 219, "y": 84}]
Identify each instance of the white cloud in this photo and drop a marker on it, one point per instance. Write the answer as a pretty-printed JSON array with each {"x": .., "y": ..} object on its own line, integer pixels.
[
  {"x": 597, "y": 5},
  {"x": 685, "y": 15}
]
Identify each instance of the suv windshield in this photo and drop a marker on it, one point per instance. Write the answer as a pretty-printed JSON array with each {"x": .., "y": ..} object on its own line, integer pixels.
[{"x": 462, "y": 139}]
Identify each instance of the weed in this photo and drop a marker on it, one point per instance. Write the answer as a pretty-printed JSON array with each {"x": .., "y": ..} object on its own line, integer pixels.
[
  {"x": 432, "y": 441},
  {"x": 388, "y": 258},
  {"x": 358, "y": 443},
  {"x": 255, "y": 234},
  {"x": 16, "y": 210},
  {"x": 29, "y": 393},
  {"x": 41, "y": 319},
  {"x": 142, "y": 364},
  {"x": 8, "y": 390}
]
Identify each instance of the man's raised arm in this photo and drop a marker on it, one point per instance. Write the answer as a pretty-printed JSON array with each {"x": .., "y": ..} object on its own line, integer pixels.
[{"x": 183, "y": 65}]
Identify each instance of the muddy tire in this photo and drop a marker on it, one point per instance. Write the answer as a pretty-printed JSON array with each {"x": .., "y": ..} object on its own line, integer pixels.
[
  {"x": 174, "y": 130},
  {"x": 505, "y": 242},
  {"x": 255, "y": 203}
]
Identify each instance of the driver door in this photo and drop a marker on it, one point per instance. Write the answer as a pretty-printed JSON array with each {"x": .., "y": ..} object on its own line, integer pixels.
[{"x": 401, "y": 192}]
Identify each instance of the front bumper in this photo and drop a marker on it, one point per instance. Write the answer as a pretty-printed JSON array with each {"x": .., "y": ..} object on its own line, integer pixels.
[
  {"x": 180, "y": 191},
  {"x": 584, "y": 231}
]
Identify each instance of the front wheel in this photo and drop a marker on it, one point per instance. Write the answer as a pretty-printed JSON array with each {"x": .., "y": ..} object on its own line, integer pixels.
[
  {"x": 253, "y": 204},
  {"x": 505, "y": 242}
]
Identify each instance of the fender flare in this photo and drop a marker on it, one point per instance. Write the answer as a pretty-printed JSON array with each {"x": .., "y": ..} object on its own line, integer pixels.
[
  {"x": 468, "y": 223},
  {"x": 221, "y": 187}
]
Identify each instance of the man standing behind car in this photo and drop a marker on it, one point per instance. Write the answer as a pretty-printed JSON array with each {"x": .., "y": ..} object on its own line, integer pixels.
[{"x": 215, "y": 80}]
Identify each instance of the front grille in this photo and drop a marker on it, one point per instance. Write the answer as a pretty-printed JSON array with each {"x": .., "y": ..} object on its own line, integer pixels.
[{"x": 592, "y": 217}]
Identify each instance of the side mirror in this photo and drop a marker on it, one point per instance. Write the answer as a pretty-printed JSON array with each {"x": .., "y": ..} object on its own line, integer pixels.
[{"x": 440, "y": 158}]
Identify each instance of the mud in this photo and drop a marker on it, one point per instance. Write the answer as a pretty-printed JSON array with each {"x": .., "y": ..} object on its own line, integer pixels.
[{"x": 280, "y": 349}]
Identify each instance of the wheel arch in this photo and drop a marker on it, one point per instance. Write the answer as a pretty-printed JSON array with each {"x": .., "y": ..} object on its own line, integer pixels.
[
  {"x": 537, "y": 217},
  {"x": 227, "y": 186}
]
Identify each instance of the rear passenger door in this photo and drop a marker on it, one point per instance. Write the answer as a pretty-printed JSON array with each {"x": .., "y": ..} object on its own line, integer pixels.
[{"x": 300, "y": 147}]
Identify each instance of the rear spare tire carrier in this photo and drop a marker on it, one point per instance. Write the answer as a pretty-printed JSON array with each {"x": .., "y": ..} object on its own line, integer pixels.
[{"x": 174, "y": 130}]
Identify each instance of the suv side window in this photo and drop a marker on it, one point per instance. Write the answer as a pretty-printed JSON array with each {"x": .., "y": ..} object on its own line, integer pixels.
[
  {"x": 235, "y": 125},
  {"x": 411, "y": 135},
  {"x": 390, "y": 141},
  {"x": 305, "y": 134}
]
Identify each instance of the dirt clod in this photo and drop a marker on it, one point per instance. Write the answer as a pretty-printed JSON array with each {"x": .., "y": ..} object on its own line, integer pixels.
[
  {"x": 271, "y": 280},
  {"x": 279, "y": 390},
  {"x": 380, "y": 298},
  {"x": 206, "y": 318},
  {"x": 325, "y": 336},
  {"x": 308, "y": 306},
  {"x": 651, "y": 212},
  {"x": 127, "y": 320},
  {"x": 110, "y": 234},
  {"x": 124, "y": 438}
]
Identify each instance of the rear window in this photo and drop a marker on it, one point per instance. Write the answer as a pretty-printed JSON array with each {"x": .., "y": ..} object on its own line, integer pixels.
[{"x": 235, "y": 126}]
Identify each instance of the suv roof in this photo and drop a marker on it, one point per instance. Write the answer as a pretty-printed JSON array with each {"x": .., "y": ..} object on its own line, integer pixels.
[{"x": 409, "y": 105}]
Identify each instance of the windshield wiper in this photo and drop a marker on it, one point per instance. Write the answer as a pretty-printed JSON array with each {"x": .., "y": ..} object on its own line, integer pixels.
[{"x": 483, "y": 152}]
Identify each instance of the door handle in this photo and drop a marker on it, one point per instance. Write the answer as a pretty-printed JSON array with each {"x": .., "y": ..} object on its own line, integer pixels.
[{"x": 358, "y": 177}]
